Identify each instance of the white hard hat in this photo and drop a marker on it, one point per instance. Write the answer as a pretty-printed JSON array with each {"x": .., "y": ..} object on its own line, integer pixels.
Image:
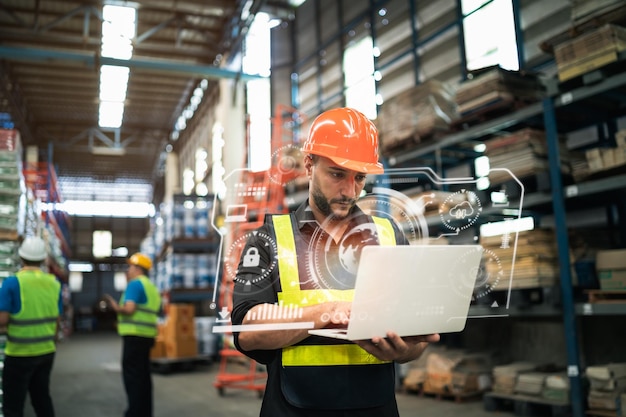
[{"x": 33, "y": 249}]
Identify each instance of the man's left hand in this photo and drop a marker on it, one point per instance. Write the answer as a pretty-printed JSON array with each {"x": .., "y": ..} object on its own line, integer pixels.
[{"x": 396, "y": 348}]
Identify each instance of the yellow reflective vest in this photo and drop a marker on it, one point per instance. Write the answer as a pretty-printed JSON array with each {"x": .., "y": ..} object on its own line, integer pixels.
[
  {"x": 143, "y": 322},
  {"x": 31, "y": 332},
  {"x": 312, "y": 363}
]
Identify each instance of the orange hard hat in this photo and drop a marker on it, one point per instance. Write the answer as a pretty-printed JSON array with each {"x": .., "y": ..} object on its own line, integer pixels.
[
  {"x": 348, "y": 138},
  {"x": 141, "y": 260}
]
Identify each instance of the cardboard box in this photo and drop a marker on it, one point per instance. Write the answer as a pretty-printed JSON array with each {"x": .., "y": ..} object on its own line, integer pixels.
[
  {"x": 611, "y": 267},
  {"x": 181, "y": 348},
  {"x": 181, "y": 312},
  {"x": 175, "y": 329},
  {"x": 158, "y": 350}
]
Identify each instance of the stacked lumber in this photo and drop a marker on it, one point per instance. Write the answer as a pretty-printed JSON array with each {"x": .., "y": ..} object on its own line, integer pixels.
[
  {"x": 607, "y": 385},
  {"x": 589, "y": 51},
  {"x": 523, "y": 152},
  {"x": 414, "y": 115},
  {"x": 505, "y": 376},
  {"x": 496, "y": 88},
  {"x": 536, "y": 260},
  {"x": 443, "y": 371}
]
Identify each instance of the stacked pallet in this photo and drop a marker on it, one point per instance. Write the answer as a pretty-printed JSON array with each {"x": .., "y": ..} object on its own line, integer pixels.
[
  {"x": 546, "y": 385},
  {"x": 496, "y": 88},
  {"x": 536, "y": 260},
  {"x": 523, "y": 152},
  {"x": 449, "y": 372},
  {"x": 505, "y": 376},
  {"x": 589, "y": 51},
  {"x": 600, "y": 159},
  {"x": 414, "y": 115},
  {"x": 607, "y": 385}
]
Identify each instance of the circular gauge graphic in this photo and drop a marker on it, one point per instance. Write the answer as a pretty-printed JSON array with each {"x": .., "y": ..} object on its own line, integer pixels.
[
  {"x": 390, "y": 204},
  {"x": 286, "y": 164},
  {"x": 490, "y": 274},
  {"x": 460, "y": 210},
  {"x": 333, "y": 265},
  {"x": 483, "y": 279},
  {"x": 251, "y": 258}
]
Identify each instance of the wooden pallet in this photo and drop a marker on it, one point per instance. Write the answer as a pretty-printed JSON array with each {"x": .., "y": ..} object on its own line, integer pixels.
[
  {"x": 526, "y": 405},
  {"x": 601, "y": 413},
  {"x": 606, "y": 296},
  {"x": 442, "y": 395}
]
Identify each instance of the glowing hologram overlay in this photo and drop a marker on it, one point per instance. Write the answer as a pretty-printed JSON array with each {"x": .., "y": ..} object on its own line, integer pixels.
[
  {"x": 264, "y": 327},
  {"x": 286, "y": 164},
  {"x": 459, "y": 215},
  {"x": 463, "y": 210}
]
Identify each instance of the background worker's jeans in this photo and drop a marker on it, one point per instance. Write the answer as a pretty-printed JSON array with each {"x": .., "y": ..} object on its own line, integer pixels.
[
  {"x": 136, "y": 375},
  {"x": 27, "y": 374}
]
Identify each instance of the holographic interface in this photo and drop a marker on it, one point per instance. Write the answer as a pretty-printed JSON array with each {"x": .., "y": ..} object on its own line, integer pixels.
[{"x": 428, "y": 208}]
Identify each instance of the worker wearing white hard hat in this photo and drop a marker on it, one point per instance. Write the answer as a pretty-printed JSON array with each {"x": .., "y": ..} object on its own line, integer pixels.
[{"x": 31, "y": 306}]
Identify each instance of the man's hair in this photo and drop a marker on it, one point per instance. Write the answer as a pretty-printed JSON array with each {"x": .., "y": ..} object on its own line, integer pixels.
[{"x": 26, "y": 262}]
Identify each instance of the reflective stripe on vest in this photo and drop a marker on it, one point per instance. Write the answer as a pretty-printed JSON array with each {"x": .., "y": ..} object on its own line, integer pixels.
[
  {"x": 143, "y": 322},
  {"x": 32, "y": 330},
  {"x": 291, "y": 294}
]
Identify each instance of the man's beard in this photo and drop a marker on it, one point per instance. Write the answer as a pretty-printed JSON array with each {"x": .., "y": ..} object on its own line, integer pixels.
[{"x": 323, "y": 204}]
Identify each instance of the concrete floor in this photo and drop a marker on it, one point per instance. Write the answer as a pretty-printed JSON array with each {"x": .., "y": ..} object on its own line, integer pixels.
[{"x": 86, "y": 381}]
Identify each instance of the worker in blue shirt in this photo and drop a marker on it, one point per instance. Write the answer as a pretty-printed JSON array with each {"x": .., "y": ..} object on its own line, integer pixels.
[
  {"x": 137, "y": 316},
  {"x": 30, "y": 306}
]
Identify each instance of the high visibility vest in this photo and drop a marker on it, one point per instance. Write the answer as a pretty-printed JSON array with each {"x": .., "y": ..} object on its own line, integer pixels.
[
  {"x": 143, "y": 322},
  {"x": 324, "y": 362},
  {"x": 31, "y": 332}
]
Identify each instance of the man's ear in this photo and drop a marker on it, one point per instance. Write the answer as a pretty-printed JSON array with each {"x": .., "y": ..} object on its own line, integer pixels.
[{"x": 308, "y": 165}]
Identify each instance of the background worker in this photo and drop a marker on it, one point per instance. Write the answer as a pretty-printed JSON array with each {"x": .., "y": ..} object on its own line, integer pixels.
[
  {"x": 308, "y": 265},
  {"x": 31, "y": 305},
  {"x": 137, "y": 315}
]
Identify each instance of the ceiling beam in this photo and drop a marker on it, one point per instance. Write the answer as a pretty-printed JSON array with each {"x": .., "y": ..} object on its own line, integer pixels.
[{"x": 33, "y": 54}]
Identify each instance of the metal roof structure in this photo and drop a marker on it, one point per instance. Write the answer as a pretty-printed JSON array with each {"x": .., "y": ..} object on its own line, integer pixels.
[{"x": 49, "y": 79}]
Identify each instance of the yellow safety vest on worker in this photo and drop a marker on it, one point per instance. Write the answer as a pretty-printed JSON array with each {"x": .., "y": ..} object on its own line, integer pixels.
[
  {"x": 32, "y": 331},
  {"x": 143, "y": 322},
  {"x": 306, "y": 366}
]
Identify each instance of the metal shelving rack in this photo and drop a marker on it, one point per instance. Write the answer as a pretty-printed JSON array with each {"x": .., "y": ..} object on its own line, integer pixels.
[{"x": 546, "y": 114}]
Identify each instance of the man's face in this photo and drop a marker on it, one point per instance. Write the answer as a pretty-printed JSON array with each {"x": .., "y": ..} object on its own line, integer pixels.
[
  {"x": 334, "y": 190},
  {"x": 132, "y": 272}
]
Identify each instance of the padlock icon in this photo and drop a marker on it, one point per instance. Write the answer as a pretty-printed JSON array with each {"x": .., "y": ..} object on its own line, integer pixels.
[{"x": 251, "y": 258}]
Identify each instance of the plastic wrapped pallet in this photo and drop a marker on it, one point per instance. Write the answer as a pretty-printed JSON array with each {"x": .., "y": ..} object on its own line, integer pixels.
[{"x": 415, "y": 114}]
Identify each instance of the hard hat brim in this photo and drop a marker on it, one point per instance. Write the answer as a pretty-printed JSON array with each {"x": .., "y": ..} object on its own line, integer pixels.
[{"x": 365, "y": 167}]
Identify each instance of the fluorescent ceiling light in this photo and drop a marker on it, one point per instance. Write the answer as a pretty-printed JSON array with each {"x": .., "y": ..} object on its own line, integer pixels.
[{"x": 118, "y": 30}]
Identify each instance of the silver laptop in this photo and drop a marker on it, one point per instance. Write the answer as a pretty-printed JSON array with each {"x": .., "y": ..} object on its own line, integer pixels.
[{"x": 411, "y": 290}]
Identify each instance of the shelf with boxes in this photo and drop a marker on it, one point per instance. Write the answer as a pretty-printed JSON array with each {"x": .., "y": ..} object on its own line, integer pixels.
[{"x": 185, "y": 248}]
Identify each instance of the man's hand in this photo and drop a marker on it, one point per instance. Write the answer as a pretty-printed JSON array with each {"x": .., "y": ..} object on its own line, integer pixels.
[
  {"x": 336, "y": 314},
  {"x": 396, "y": 348},
  {"x": 111, "y": 301}
]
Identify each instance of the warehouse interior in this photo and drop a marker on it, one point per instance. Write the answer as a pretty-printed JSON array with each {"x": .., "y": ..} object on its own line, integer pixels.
[{"x": 512, "y": 109}]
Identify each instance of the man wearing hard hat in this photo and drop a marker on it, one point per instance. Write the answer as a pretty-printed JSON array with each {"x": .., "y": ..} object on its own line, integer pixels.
[
  {"x": 31, "y": 305},
  {"x": 303, "y": 265},
  {"x": 137, "y": 315}
]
